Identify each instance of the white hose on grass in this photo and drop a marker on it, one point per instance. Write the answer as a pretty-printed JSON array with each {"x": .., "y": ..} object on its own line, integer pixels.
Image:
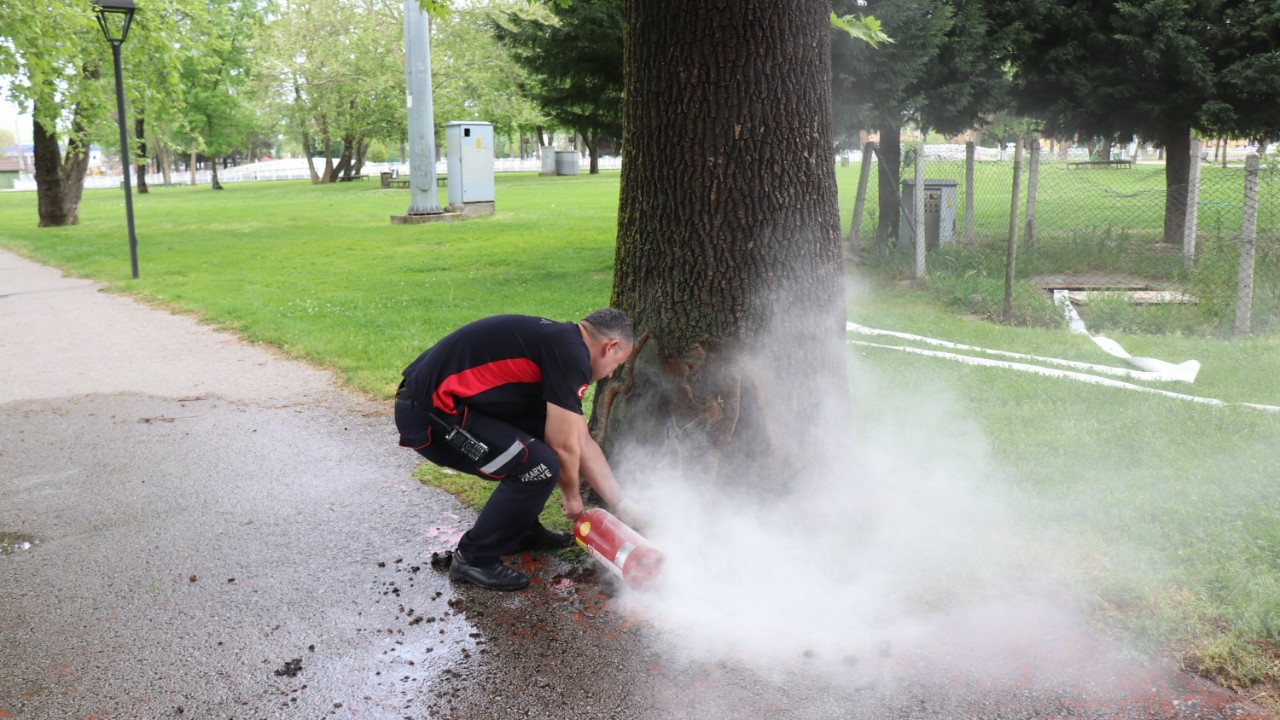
[
  {"x": 1090, "y": 367},
  {"x": 1035, "y": 369},
  {"x": 1185, "y": 371}
]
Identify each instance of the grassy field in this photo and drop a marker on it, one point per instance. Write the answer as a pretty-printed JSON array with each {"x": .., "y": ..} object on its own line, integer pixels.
[
  {"x": 1168, "y": 506},
  {"x": 321, "y": 272}
]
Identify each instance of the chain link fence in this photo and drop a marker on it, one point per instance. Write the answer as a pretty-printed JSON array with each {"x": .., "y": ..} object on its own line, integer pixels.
[{"x": 1109, "y": 231}]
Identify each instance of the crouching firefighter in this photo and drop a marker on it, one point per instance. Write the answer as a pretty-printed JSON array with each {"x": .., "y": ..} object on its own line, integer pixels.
[{"x": 501, "y": 398}]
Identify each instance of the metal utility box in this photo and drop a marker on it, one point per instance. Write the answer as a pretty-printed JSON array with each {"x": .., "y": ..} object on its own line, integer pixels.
[
  {"x": 939, "y": 211},
  {"x": 566, "y": 162},
  {"x": 469, "y": 152}
]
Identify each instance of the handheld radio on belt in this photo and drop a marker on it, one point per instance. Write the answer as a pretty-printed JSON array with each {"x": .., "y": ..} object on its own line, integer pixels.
[{"x": 461, "y": 440}]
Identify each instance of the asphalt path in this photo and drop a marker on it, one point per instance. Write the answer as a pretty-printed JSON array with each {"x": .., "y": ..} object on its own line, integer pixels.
[{"x": 195, "y": 526}]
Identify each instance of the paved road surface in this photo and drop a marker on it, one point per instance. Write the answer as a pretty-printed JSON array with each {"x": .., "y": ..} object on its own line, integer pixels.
[{"x": 192, "y": 526}]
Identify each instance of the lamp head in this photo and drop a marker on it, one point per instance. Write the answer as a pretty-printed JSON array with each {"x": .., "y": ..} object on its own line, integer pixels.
[{"x": 114, "y": 16}]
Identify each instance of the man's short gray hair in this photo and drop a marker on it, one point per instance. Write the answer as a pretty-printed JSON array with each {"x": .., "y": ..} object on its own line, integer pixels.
[{"x": 608, "y": 323}]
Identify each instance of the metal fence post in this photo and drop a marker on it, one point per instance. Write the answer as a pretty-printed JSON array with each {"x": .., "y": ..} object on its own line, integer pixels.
[
  {"x": 1248, "y": 244},
  {"x": 860, "y": 202},
  {"x": 1006, "y": 313},
  {"x": 1033, "y": 175},
  {"x": 1193, "y": 206},
  {"x": 917, "y": 214},
  {"x": 969, "y": 153}
]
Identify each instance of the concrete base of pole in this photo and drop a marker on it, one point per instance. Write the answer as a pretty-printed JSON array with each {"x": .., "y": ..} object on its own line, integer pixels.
[{"x": 451, "y": 213}]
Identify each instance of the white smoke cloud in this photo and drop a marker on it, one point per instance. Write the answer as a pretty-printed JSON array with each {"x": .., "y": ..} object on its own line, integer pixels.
[{"x": 901, "y": 537}]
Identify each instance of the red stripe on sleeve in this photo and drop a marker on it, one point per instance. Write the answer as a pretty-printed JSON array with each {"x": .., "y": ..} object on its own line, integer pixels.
[{"x": 476, "y": 380}]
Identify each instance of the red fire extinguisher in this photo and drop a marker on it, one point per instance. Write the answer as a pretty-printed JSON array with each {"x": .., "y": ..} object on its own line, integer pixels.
[{"x": 618, "y": 547}]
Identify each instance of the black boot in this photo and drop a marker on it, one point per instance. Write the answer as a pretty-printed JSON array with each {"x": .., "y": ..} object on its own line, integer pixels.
[
  {"x": 492, "y": 577},
  {"x": 540, "y": 538}
]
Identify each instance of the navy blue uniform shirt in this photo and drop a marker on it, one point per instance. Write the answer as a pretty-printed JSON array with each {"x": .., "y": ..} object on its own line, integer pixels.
[{"x": 506, "y": 366}]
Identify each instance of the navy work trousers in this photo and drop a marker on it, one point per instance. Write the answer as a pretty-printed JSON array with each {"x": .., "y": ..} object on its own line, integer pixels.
[{"x": 524, "y": 467}]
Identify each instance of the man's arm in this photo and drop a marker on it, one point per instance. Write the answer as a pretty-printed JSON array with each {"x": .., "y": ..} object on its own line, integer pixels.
[
  {"x": 580, "y": 457},
  {"x": 595, "y": 468},
  {"x": 564, "y": 433}
]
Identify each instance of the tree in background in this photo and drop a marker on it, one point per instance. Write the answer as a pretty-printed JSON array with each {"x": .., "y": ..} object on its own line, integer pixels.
[
  {"x": 157, "y": 85},
  {"x": 728, "y": 254},
  {"x": 338, "y": 67},
  {"x": 54, "y": 54},
  {"x": 1155, "y": 70},
  {"x": 944, "y": 71},
  {"x": 1247, "y": 41},
  {"x": 474, "y": 76},
  {"x": 576, "y": 58},
  {"x": 219, "y": 113}
]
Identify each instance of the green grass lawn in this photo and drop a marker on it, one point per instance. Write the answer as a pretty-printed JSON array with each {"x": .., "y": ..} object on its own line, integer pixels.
[
  {"x": 321, "y": 272},
  {"x": 1170, "y": 505}
]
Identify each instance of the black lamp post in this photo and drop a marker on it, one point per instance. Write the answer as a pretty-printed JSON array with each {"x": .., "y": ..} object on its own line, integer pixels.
[{"x": 115, "y": 16}]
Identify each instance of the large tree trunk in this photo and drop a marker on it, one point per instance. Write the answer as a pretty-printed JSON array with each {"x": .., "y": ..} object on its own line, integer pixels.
[
  {"x": 1177, "y": 171},
  {"x": 138, "y": 127},
  {"x": 213, "y": 175},
  {"x": 728, "y": 253},
  {"x": 889, "y": 157},
  {"x": 59, "y": 180}
]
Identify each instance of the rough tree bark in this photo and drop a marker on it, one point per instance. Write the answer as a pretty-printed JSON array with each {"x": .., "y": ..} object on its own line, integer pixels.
[
  {"x": 362, "y": 148},
  {"x": 1177, "y": 170},
  {"x": 593, "y": 151},
  {"x": 59, "y": 179},
  {"x": 889, "y": 157},
  {"x": 138, "y": 128},
  {"x": 728, "y": 253},
  {"x": 165, "y": 158},
  {"x": 343, "y": 168}
]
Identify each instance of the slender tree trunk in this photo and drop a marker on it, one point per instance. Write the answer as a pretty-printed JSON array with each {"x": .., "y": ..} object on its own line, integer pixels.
[
  {"x": 165, "y": 159},
  {"x": 362, "y": 147},
  {"x": 593, "y": 153},
  {"x": 138, "y": 128},
  {"x": 311, "y": 162},
  {"x": 326, "y": 175},
  {"x": 59, "y": 181},
  {"x": 192, "y": 167},
  {"x": 728, "y": 254},
  {"x": 343, "y": 168},
  {"x": 1177, "y": 170},
  {"x": 889, "y": 155},
  {"x": 213, "y": 177}
]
